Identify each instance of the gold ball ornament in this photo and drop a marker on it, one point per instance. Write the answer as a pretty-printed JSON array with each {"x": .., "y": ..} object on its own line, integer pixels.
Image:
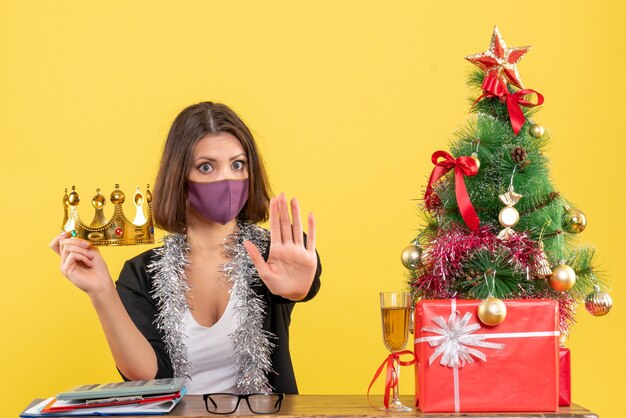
[
  {"x": 117, "y": 196},
  {"x": 98, "y": 201},
  {"x": 474, "y": 157},
  {"x": 562, "y": 278},
  {"x": 411, "y": 256},
  {"x": 138, "y": 197},
  {"x": 508, "y": 216},
  {"x": 537, "y": 131},
  {"x": 575, "y": 221},
  {"x": 73, "y": 199},
  {"x": 598, "y": 303},
  {"x": 492, "y": 311}
]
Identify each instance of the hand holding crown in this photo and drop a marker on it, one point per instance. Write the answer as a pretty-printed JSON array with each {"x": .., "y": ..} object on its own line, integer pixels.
[
  {"x": 81, "y": 261},
  {"x": 82, "y": 264}
]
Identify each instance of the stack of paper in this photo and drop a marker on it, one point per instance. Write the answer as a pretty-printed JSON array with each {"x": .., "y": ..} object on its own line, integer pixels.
[{"x": 139, "y": 397}]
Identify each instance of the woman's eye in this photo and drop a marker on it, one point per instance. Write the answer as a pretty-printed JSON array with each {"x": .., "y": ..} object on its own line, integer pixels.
[
  {"x": 238, "y": 165},
  {"x": 205, "y": 168}
]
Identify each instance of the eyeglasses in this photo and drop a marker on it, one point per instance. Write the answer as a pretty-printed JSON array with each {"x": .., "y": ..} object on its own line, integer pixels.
[{"x": 227, "y": 403}]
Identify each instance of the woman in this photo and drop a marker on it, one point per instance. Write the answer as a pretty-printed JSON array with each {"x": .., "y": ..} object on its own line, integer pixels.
[{"x": 196, "y": 306}]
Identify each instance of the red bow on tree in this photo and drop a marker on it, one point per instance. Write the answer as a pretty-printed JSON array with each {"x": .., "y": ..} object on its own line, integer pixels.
[
  {"x": 463, "y": 166},
  {"x": 494, "y": 87}
]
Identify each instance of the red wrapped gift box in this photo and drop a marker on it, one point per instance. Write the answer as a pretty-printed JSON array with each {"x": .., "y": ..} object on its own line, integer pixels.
[
  {"x": 520, "y": 366},
  {"x": 565, "y": 377}
]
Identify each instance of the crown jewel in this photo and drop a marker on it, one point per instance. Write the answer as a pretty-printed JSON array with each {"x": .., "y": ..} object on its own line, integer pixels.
[{"x": 115, "y": 231}]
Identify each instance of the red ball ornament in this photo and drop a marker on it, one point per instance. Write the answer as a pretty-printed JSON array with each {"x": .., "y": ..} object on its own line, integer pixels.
[{"x": 119, "y": 232}]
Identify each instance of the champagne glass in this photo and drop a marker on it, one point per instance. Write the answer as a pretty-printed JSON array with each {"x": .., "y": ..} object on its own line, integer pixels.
[{"x": 395, "y": 308}]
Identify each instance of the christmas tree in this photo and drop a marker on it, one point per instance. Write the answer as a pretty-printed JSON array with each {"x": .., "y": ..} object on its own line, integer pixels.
[{"x": 496, "y": 227}]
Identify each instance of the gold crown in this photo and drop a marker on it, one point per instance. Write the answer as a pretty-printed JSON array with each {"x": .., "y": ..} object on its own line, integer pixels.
[{"x": 116, "y": 231}]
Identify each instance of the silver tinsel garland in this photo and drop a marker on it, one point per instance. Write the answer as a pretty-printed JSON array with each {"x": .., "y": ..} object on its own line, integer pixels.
[
  {"x": 169, "y": 288},
  {"x": 252, "y": 343}
]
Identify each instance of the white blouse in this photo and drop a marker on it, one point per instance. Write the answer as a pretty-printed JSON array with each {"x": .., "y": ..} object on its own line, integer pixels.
[{"x": 210, "y": 352}]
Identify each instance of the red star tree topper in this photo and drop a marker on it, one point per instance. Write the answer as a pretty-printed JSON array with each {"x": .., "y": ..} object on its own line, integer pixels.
[{"x": 499, "y": 61}]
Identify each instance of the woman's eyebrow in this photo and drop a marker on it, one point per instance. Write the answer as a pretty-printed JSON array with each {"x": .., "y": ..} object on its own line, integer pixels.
[{"x": 212, "y": 160}]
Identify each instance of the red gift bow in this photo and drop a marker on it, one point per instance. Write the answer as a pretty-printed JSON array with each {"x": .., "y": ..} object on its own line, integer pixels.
[
  {"x": 494, "y": 87},
  {"x": 391, "y": 380},
  {"x": 463, "y": 166}
]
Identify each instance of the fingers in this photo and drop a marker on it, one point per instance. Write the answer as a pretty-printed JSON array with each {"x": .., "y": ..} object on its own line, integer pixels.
[
  {"x": 281, "y": 229},
  {"x": 275, "y": 221},
  {"x": 297, "y": 224},
  {"x": 74, "y": 245},
  {"x": 310, "y": 243},
  {"x": 256, "y": 257},
  {"x": 71, "y": 263},
  {"x": 65, "y": 240},
  {"x": 54, "y": 244},
  {"x": 285, "y": 220},
  {"x": 74, "y": 251}
]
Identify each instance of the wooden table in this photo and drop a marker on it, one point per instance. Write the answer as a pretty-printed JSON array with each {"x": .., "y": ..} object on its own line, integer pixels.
[{"x": 192, "y": 406}]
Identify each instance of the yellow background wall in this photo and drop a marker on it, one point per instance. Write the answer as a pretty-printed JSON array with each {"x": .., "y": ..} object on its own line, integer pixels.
[{"x": 348, "y": 99}]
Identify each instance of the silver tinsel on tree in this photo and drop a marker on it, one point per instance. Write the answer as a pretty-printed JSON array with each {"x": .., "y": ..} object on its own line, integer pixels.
[{"x": 252, "y": 343}]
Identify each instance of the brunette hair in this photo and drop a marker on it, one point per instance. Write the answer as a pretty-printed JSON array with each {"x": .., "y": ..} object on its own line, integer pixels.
[{"x": 170, "y": 189}]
